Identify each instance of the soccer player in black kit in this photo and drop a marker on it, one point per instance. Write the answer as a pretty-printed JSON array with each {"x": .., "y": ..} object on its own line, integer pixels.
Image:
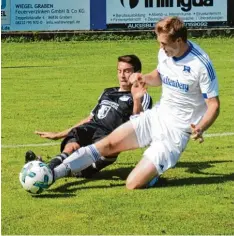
[{"x": 114, "y": 107}]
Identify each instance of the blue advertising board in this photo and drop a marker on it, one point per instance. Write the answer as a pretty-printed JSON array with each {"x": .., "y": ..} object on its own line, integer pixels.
[{"x": 45, "y": 15}]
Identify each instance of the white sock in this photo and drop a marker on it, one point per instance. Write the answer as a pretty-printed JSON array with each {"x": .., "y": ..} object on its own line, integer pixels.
[
  {"x": 61, "y": 171},
  {"x": 77, "y": 161}
]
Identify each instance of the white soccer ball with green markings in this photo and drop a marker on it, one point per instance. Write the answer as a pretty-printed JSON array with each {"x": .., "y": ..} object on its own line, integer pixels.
[{"x": 35, "y": 177}]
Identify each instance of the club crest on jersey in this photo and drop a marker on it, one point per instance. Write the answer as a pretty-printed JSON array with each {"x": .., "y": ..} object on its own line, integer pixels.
[
  {"x": 124, "y": 98},
  {"x": 187, "y": 70},
  {"x": 103, "y": 111}
]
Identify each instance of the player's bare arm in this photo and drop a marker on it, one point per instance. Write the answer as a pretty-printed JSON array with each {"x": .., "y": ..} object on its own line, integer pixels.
[
  {"x": 138, "y": 90},
  {"x": 152, "y": 78},
  {"x": 213, "y": 107},
  {"x": 62, "y": 134}
]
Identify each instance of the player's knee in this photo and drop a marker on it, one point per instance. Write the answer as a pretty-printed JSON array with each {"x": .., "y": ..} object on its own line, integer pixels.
[
  {"x": 109, "y": 146},
  {"x": 71, "y": 147},
  {"x": 131, "y": 185}
]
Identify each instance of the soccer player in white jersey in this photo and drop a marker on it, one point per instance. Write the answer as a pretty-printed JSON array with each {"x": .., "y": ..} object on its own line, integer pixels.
[{"x": 188, "y": 106}]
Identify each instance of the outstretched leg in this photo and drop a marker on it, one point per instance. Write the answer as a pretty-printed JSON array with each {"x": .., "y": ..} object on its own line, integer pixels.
[
  {"x": 121, "y": 139},
  {"x": 68, "y": 150}
]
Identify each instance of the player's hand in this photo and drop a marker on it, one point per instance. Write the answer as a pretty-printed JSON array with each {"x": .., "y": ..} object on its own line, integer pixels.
[
  {"x": 196, "y": 134},
  {"x": 138, "y": 90},
  {"x": 136, "y": 77},
  {"x": 48, "y": 135}
]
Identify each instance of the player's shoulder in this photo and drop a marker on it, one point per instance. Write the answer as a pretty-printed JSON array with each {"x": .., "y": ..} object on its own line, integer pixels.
[
  {"x": 203, "y": 62},
  {"x": 107, "y": 91},
  {"x": 111, "y": 89},
  {"x": 201, "y": 58},
  {"x": 198, "y": 52}
]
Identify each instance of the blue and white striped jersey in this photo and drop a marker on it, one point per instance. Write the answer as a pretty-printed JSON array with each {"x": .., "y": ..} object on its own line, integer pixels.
[{"x": 186, "y": 82}]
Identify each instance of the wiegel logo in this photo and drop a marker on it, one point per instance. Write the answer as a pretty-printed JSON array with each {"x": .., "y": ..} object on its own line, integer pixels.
[{"x": 129, "y": 3}]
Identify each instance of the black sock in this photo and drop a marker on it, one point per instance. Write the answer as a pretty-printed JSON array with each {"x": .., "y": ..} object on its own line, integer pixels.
[{"x": 57, "y": 160}]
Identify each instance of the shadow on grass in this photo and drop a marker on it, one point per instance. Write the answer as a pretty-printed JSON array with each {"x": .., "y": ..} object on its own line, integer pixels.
[
  {"x": 116, "y": 175},
  {"x": 198, "y": 168},
  {"x": 196, "y": 180},
  {"x": 49, "y": 195},
  {"x": 121, "y": 174}
]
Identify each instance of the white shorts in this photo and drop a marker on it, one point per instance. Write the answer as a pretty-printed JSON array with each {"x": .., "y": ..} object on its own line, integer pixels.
[{"x": 165, "y": 142}]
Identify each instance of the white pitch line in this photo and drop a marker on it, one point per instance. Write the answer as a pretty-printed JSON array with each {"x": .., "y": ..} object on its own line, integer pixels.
[
  {"x": 29, "y": 145},
  {"x": 54, "y": 144},
  {"x": 219, "y": 134}
]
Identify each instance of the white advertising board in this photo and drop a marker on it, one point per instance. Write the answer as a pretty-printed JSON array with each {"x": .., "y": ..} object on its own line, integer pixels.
[
  {"x": 47, "y": 15},
  {"x": 146, "y": 12}
]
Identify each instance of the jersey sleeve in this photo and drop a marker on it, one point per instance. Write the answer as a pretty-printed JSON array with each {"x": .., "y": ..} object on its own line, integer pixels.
[
  {"x": 146, "y": 102},
  {"x": 209, "y": 83}
]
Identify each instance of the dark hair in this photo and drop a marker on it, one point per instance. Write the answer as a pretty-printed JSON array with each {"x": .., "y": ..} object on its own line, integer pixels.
[
  {"x": 132, "y": 60},
  {"x": 173, "y": 26}
]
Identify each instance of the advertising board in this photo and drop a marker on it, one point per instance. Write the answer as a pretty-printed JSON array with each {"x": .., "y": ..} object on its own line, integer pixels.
[
  {"x": 5, "y": 12},
  {"x": 142, "y": 14},
  {"x": 46, "y": 15}
]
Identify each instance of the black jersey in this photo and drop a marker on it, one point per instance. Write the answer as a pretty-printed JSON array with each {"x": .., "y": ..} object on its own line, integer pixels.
[{"x": 115, "y": 108}]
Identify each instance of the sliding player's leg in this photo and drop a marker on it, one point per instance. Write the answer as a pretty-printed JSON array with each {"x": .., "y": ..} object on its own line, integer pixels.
[
  {"x": 69, "y": 147},
  {"x": 121, "y": 139},
  {"x": 96, "y": 167},
  {"x": 141, "y": 175},
  {"x": 162, "y": 154},
  {"x": 131, "y": 135},
  {"x": 156, "y": 160},
  {"x": 77, "y": 137}
]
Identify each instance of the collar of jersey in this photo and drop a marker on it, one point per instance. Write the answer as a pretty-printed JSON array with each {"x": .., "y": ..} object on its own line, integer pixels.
[
  {"x": 185, "y": 54},
  {"x": 123, "y": 91}
]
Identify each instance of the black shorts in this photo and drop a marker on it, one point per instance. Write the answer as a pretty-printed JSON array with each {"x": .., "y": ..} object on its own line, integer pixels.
[{"x": 84, "y": 135}]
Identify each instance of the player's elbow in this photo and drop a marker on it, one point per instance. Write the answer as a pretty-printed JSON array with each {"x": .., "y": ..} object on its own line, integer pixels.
[
  {"x": 217, "y": 111},
  {"x": 216, "y": 108}
]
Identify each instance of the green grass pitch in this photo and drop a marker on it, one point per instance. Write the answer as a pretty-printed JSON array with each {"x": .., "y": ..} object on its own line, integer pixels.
[{"x": 50, "y": 86}]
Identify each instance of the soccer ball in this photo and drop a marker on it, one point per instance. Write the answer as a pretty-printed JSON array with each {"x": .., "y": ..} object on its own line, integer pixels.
[{"x": 35, "y": 176}]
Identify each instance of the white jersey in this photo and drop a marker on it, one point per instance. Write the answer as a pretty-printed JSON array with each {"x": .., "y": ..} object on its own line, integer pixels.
[{"x": 186, "y": 82}]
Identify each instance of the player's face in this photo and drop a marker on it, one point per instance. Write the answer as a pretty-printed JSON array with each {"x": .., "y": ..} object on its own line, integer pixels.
[
  {"x": 124, "y": 70},
  {"x": 171, "y": 48}
]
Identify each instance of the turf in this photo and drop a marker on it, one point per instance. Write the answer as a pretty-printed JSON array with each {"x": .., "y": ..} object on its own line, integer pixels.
[{"x": 50, "y": 86}]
